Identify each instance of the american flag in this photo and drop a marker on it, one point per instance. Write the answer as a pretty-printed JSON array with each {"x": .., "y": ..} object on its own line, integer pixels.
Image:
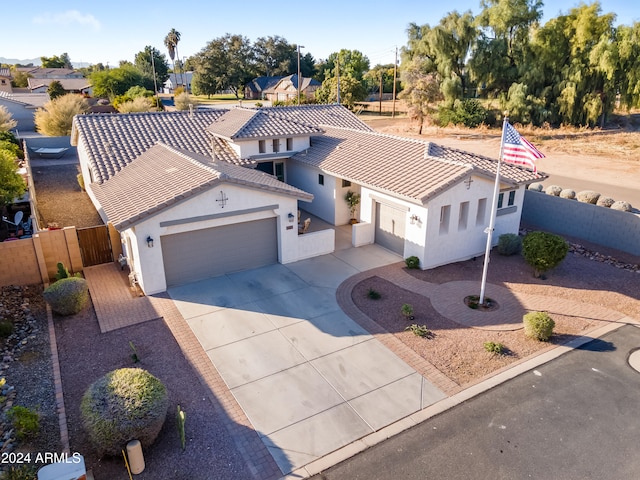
[{"x": 518, "y": 150}]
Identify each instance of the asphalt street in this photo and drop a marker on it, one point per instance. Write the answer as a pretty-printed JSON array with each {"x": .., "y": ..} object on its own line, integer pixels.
[{"x": 576, "y": 417}]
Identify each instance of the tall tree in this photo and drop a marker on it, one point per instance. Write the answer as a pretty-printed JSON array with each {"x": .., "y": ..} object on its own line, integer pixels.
[
  {"x": 144, "y": 63},
  {"x": 351, "y": 63},
  {"x": 62, "y": 61},
  {"x": 116, "y": 81},
  {"x": 275, "y": 56},
  {"x": 422, "y": 90},
  {"x": 55, "y": 90},
  {"x": 12, "y": 185},
  {"x": 171, "y": 42},
  {"x": 224, "y": 63}
]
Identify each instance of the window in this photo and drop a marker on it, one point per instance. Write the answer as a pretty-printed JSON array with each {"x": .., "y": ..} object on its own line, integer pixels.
[
  {"x": 279, "y": 171},
  {"x": 500, "y": 200},
  {"x": 445, "y": 212},
  {"x": 262, "y": 148},
  {"x": 276, "y": 145},
  {"x": 512, "y": 198},
  {"x": 345, "y": 183},
  {"x": 482, "y": 208},
  {"x": 463, "y": 216},
  {"x": 289, "y": 144},
  {"x": 320, "y": 179}
]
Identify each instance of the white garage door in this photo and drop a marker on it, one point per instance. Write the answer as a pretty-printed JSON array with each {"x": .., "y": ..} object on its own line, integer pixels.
[
  {"x": 390, "y": 227},
  {"x": 210, "y": 252}
]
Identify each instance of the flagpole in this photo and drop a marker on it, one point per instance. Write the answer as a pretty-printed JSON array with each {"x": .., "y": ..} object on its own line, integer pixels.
[{"x": 494, "y": 209}]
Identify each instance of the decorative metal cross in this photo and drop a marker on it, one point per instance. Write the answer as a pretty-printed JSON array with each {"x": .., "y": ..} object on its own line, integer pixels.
[
  {"x": 468, "y": 182},
  {"x": 223, "y": 199}
]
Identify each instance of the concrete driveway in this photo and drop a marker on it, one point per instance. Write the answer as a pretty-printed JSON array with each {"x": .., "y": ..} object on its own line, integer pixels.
[{"x": 309, "y": 378}]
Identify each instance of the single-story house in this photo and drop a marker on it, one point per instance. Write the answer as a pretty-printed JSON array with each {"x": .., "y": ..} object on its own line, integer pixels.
[
  {"x": 183, "y": 79},
  {"x": 287, "y": 88},
  {"x": 202, "y": 193},
  {"x": 70, "y": 85},
  {"x": 22, "y": 107},
  {"x": 56, "y": 73},
  {"x": 255, "y": 89},
  {"x": 5, "y": 80}
]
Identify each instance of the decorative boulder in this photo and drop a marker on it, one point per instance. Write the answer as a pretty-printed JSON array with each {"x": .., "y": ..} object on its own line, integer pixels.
[
  {"x": 588, "y": 196},
  {"x": 536, "y": 187},
  {"x": 605, "y": 201},
  {"x": 67, "y": 296},
  {"x": 553, "y": 190},
  {"x": 124, "y": 405},
  {"x": 622, "y": 206},
  {"x": 568, "y": 193}
]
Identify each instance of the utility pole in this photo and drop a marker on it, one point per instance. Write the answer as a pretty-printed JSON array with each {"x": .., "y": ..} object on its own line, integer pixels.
[
  {"x": 155, "y": 82},
  {"x": 380, "y": 97},
  {"x": 395, "y": 74},
  {"x": 338, "y": 75}
]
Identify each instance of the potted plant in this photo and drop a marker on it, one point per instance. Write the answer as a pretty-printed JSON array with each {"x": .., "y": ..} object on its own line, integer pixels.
[{"x": 353, "y": 200}]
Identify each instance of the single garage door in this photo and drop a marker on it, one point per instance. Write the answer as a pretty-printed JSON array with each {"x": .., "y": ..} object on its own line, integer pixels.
[
  {"x": 210, "y": 252},
  {"x": 390, "y": 225}
]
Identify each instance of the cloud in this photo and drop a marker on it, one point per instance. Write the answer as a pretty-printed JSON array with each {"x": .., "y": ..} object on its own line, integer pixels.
[{"x": 67, "y": 18}]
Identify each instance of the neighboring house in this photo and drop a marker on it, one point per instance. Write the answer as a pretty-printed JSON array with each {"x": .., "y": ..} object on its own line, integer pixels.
[
  {"x": 5, "y": 80},
  {"x": 22, "y": 107},
  {"x": 255, "y": 89},
  {"x": 217, "y": 191},
  {"x": 56, "y": 73},
  {"x": 178, "y": 80},
  {"x": 287, "y": 89},
  {"x": 70, "y": 85}
]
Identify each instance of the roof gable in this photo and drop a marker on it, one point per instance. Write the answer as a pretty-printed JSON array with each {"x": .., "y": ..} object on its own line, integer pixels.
[
  {"x": 164, "y": 176},
  {"x": 244, "y": 123}
]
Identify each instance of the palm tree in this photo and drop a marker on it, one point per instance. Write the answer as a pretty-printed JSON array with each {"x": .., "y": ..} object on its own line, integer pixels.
[{"x": 171, "y": 42}]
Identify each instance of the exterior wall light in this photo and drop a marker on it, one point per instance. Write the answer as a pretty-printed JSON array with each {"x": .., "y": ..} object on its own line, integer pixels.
[
  {"x": 291, "y": 216},
  {"x": 149, "y": 242}
]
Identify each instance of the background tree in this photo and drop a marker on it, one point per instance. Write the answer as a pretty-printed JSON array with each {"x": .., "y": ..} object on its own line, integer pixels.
[
  {"x": 62, "y": 61},
  {"x": 224, "y": 63},
  {"x": 116, "y": 81},
  {"x": 351, "y": 63},
  {"x": 351, "y": 91},
  {"x": 144, "y": 64},
  {"x": 56, "y": 90},
  {"x": 12, "y": 185},
  {"x": 20, "y": 79},
  {"x": 171, "y": 42},
  {"x": 274, "y": 56},
  {"x": 379, "y": 72},
  {"x": 54, "y": 120},
  {"x": 422, "y": 91}
]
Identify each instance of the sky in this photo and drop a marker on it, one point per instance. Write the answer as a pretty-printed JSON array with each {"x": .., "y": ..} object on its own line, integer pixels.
[{"x": 93, "y": 32}]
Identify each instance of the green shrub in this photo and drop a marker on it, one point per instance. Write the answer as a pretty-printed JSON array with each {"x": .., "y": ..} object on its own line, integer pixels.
[
  {"x": 21, "y": 472},
  {"x": 124, "y": 404},
  {"x": 544, "y": 251},
  {"x": 469, "y": 113},
  {"x": 6, "y": 328},
  {"x": 509, "y": 244},
  {"x": 184, "y": 101},
  {"x": 25, "y": 421},
  {"x": 419, "y": 330},
  {"x": 622, "y": 206},
  {"x": 11, "y": 147},
  {"x": 493, "y": 347},
  {"x": 407, "y": 311},
  {"x": 588, "y": 196},
  {"x": 67, "y": 296},
  {"x": 412, "y": 262},
  {"x": 373, "y": 294},
  {"x": 62, "y": 271},
  {"x": 538, "y": 325}
]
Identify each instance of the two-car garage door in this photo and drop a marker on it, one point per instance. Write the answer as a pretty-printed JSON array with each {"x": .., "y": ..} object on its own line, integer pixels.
[{"x": 210, "y": 252}]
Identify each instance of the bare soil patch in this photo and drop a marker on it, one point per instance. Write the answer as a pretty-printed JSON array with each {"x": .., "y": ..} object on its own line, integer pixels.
[{"x": 458, "y": 351}]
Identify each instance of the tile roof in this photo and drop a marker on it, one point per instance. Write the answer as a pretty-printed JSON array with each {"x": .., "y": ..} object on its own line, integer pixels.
[
  {"x": 114, "y": 141},
  {"x": 67, "y": 83},
  {"x": 260, "y": 84},
  {"x": 322, "y": 115},
  {"x": 245, "y": 123},
  {"x": 28, "y": 99},
  {"x": 306, "y": 82},
  {"x": 413, "y": 169},
  {"x": 163, "y": 176},
  {"x": 5, "y": 72}
]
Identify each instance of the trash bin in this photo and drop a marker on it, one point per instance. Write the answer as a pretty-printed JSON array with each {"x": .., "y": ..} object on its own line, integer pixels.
[{"x": 134, "y": 454}]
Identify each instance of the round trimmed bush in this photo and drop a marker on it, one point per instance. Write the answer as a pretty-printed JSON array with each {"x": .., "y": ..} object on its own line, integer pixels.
[
  {"x": 568, "y": 193},
  {"x": 622, "y": 206},
  {"x": 536, "y": 187},
  {"x": 509, "y": 244},
  {"x": 553, "y": 190},
  {"x": 543, "y": 251},
  {"x": 124, "y": 405},
  {"x": 538, "y": 325},
  {"x": 588, "y": 196},
  {"x": 605, "y": 201},
  {"x": 67, "y": 296}
]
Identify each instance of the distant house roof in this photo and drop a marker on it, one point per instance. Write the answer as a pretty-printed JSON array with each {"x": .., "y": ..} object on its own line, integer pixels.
[
  {"x": 413, "y": 169},
  {"x": 5, "y": 72},
  {"x": 244, "y": 123},
  {"x": 306, "y": 82},
  {"x": 164, "y": 176},
  {"x": 30, "y": 100},
  {"x": 176, "y": 79},
  {"x": 57, "y": 73},
  {"x": 69, "y": 84},
  {"x": 260, "y": 84}
]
